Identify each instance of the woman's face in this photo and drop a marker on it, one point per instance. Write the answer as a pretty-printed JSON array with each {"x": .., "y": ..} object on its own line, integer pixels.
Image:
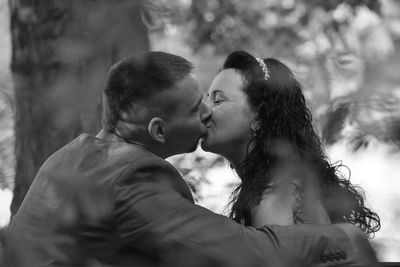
[{"x": 228, "y": 130}]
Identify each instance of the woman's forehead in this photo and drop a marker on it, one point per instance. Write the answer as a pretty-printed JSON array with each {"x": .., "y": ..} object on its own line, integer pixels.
[{"x": 228, "y": 80}]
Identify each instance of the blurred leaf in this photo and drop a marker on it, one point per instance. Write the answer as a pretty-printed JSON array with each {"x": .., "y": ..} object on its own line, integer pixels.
[
  {"x": 194, "y": 167},
  {"x": 359, "y": 121},
  {"x": 156, "y": 14},
  {"x": 7, "y": 158}
]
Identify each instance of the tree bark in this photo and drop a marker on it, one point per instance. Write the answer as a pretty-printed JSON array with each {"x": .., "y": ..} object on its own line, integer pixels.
[{"x": 61, "y": 52}]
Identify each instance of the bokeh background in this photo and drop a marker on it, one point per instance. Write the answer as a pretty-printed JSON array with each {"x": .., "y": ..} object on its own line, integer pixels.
[{"x": 53, "y": 59}]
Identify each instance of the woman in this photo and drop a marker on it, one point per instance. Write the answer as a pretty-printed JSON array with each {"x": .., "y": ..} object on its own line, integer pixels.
[{"x": 261, "y": 124}]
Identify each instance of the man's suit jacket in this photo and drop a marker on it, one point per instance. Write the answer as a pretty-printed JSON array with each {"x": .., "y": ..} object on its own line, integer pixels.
[{"x": 118, "y": 204}]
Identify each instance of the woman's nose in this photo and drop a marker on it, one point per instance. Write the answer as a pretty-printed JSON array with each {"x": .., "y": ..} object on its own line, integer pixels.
[{"x": 205, "y": 112}]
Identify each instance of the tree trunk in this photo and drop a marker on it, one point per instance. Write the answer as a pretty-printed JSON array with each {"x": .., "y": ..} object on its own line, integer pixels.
[{"x": 61, "y": 52}]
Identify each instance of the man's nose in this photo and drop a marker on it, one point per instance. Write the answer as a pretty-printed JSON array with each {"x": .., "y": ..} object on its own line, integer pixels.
[{"x": 205, "y": 112}]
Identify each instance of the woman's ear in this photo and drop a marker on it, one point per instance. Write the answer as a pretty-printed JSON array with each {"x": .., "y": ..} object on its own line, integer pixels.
[{"x": 156, "y": 129}]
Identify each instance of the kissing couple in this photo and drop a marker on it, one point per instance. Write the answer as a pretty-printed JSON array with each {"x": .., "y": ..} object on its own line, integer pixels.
[{"x": 113, "y": 200}]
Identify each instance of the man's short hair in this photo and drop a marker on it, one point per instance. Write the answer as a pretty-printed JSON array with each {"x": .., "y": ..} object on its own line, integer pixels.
[{"x": 136, "y": 78}]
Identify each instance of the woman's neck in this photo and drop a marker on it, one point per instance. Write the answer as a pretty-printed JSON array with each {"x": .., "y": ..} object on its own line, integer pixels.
[
  {"x": 237, "y": 162},
  {"x": 238, "y": 158}
]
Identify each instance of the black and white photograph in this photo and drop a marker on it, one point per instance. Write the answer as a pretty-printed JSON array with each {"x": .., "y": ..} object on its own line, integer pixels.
[{"x": 199, "y": 133}]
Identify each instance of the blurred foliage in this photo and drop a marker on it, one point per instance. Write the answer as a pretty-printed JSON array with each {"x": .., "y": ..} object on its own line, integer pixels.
[
  {"x": 194, "y": 168},
  {"x": 233, "y": 25},
  {"x": 6, "y": 140},
  {"x": 6, "y": 105},
  {"x": 360, "y": 121}
]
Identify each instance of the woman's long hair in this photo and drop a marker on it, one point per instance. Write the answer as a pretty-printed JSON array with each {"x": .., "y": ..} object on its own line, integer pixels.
[{"x": 284, "y": 118}]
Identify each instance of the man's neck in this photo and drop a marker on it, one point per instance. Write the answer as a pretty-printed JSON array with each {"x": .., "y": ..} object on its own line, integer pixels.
[
  {"x": 109, "y": 136},
  {"x": 114, "y": 136}
]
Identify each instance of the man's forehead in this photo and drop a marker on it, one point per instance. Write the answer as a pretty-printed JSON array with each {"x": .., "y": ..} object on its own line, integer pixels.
[
  {"x": 189, "y": 87},
  {"x": 185, "y": 94},
  {"x": 189, "y": 81}
]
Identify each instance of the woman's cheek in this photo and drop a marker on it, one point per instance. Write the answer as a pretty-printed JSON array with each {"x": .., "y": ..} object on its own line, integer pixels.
[{"x": 223, "y": 117}]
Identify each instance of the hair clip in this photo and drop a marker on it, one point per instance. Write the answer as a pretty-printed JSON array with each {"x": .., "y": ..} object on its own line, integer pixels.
[{"x": 263, "y": 67}]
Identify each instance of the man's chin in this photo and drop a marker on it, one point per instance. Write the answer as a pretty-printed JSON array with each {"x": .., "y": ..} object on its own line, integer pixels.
[
  {"x": 204, "y": 144},
  {"x": 194, "y": 147}
]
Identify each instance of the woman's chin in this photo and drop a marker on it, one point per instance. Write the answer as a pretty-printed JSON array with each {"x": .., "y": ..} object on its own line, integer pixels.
[{"x": 206, "y": 144}]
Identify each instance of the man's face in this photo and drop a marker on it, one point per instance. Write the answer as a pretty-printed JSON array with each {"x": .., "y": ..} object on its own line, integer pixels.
[{"x": 183, "y": 126}]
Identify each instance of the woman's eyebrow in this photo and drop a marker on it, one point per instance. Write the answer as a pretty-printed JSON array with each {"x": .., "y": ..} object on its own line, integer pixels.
[{"x": 216, "y": 91}]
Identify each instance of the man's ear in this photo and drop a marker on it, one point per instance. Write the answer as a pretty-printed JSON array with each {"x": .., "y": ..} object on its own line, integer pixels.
[{"x": 156, "y": 129}]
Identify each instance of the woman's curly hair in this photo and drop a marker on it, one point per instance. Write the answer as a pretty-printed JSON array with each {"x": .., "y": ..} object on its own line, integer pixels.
[{"x": 284, "y": 118}]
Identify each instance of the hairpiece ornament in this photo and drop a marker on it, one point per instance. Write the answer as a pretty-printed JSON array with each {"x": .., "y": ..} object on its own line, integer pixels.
[{"x": 263, "y": 67}]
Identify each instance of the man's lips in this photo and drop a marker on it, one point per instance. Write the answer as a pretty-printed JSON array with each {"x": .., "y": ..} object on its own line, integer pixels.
[{"x": 205, "y": 132}]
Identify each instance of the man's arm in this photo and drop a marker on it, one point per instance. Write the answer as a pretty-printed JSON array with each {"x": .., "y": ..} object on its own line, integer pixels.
[
  {"x": 359, "y": 242},
  {"x": 156, "y": 220}
]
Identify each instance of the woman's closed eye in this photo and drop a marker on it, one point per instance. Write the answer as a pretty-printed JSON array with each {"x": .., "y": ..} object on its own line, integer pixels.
[{"x": 218, "y": 99}]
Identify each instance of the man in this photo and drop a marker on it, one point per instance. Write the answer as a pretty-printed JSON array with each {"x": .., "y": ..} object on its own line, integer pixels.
[{"x": 113, "y": 199}]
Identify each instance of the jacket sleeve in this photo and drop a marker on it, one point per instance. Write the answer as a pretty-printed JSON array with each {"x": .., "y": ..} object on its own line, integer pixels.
[{"x": 154, "y": 219}]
